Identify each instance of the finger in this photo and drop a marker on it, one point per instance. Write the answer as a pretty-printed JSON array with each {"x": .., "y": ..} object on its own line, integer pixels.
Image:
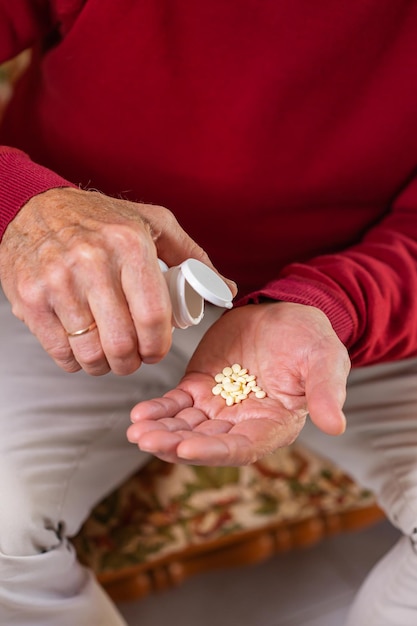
[
  {"x": 168, "y": 424},
  {"x": 114, "y": 343},
  {"x": 169, "y": 445},
  {"x": 88, "y": 352},
  {"x": 244, "y": 443},
  {"x": 136, "y": 431},
  {"x": 326, "y": 394},
  {"x": 167, "y": 406},
  {"x": 33, "y": 308},
  {"x": 325, "y": 412},
  {"x": 172, "y": 457},
  {"x": 77, "y": 320},
  {"x": 124, "y": 333},
  {"x": 116, "y": 340},
  {"x": 221, "y": 450},
  {"x": 82, "y": 332},
  {"x": 149, "y": 305},
  {"x": 162, "y": 443},
  {"x": 116, "y": 335},
  {"x": 188, "y": 420},
  {"x": 235, "y": 448},
  {"x": 214, "y": 427},
  {"x": 53, "y": 338}
]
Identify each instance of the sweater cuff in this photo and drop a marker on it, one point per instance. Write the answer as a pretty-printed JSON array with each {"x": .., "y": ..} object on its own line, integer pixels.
[
  {"x": 20, "y": 180},
  {"x": 310, "y": 294}
]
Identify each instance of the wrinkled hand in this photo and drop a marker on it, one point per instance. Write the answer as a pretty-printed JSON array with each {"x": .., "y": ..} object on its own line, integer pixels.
[
  {"x": 297, "y": 359},
  {"x": 73, "y": 257}
]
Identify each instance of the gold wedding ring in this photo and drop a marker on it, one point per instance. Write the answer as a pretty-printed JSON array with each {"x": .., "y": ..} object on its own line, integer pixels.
[{"x": 83, "y": 331}]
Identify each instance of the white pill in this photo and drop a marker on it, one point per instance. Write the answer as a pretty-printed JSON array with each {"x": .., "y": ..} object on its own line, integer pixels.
[{"x": 234, "y": 384}]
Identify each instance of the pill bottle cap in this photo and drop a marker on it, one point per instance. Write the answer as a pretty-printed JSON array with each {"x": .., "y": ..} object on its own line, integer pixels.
[
  {"x": 189, "y": 285},
  {"x": 207, "y": 283}
]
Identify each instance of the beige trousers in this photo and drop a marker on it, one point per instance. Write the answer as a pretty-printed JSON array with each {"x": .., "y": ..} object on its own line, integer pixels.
[{"x": 63, "y": 448}]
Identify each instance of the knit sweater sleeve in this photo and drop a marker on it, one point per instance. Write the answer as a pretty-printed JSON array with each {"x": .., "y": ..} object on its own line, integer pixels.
[
  {"x": 368, "y": 290},
  {"x": 20, "y": 180}
]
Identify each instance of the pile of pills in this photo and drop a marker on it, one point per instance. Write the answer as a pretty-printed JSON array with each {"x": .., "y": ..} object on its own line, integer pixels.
[{"x": 234, "y": 384}]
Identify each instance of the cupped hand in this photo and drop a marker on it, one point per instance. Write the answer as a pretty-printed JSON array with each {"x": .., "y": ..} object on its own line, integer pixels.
[
  {"x": 298, "y": 361},
  {"x": 74, "y": 259}
]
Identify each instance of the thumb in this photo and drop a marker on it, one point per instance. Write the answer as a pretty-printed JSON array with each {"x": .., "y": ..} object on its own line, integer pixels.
[
  {"x": 177, "y": 246},
  {"x": 327, "y": 415},
  {"x": 325, "y": 400}
]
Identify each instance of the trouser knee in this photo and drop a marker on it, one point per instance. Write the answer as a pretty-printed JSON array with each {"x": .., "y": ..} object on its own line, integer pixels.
[{"x": 26, "y": 527}]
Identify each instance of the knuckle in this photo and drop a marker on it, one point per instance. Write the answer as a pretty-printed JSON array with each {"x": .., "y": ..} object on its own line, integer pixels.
[
  {"x": 125, "y": 233},
  {"x": 128, "y": 241},
  {"x": 85, "y": 254},
  {"x": 56, "y": 275},
  {"x": 121, "y": 347},
  {"x": 31, "y": 294},
  {"x": 155, "y": 317},
  {"x": 63, "y": 356},
  {"x": 155, "y": 351},
  {"x": 93, "y": 362},
  {"x": 126, "y": 366},
  {"x": 168, "y": 216},
  {"x": 159, "y": 219},
  {"x": 91, "y": 358}
]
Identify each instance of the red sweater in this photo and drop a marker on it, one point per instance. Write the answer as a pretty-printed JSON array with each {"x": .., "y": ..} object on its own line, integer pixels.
[{"x": 282, "y": 134}]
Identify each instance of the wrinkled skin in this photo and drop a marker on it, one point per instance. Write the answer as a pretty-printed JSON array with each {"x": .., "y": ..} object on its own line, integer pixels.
[
  {"x": 71, "y": 257},
  {"x": 297, "y": 359}
]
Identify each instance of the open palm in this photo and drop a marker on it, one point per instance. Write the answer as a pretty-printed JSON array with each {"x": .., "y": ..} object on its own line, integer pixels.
[{"x": 297, "y": 359}]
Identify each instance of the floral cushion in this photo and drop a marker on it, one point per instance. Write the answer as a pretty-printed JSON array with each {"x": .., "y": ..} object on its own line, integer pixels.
[{"x": 168, "y": 521}]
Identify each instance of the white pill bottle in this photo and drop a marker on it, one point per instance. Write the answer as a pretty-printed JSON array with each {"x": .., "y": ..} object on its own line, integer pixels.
[{"x": 190, "y": 284}]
